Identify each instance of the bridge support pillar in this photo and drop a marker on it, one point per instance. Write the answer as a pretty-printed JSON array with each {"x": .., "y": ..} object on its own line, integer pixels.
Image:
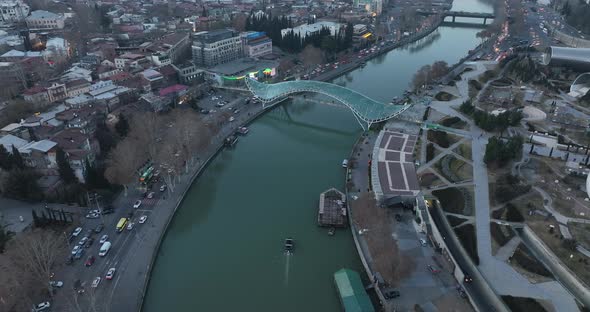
[
  {"x": 484, "y": 20},
  {"x": 454, "y": 18}
]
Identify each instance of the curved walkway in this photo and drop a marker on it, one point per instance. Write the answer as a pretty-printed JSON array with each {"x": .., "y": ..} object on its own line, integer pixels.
[{"x": 364, "y": 108}]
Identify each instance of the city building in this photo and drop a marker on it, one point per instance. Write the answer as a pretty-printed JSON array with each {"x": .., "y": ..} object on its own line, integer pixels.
[
  {"x": 168, "y": 49},
  {"x": 211, "y": 48},
  {"x": 12, "y": 78},
  {"x": 256, "y": 44},
  {"x": 130, "y": 60},
  {"x": 372, "y": 6},
  {"x": 41, "y": 19},
  {"x": 188, "y": 73},
  {"x": 13, "y": 11},
  {"x": 307, "y": 29}
]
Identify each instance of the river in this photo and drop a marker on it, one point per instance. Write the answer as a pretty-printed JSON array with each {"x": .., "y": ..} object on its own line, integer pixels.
[{"x": 223, "y": 249}]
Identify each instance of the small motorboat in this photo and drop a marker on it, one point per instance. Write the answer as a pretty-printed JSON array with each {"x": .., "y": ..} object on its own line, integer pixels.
[
  {"x": 231, "y": 141},
  {"x": 331, "y": 231},
  {"x": 243, "y": 130},
  {"x": 289, "y": 245}
]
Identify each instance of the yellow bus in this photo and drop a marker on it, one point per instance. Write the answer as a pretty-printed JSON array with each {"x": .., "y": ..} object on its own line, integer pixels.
[{"x": 121, "y": 225}]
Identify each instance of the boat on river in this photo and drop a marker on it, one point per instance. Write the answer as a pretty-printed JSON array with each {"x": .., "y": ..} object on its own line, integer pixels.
[
  {"x": 230, "y": 141},
  {"x": 289, "y": 245},
  {"x": 243, "y": 130}
]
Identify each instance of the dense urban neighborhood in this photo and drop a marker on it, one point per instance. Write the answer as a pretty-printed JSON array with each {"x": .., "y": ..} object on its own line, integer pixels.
[{"x": 294, "y": 155}]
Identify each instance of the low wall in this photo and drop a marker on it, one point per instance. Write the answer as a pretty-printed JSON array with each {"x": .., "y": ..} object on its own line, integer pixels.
[
  {"x": 567, "y": 278},
  {"x": 569, "y": 40}
]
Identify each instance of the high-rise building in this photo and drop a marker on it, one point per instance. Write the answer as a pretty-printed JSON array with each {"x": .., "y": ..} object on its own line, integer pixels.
[{"x": 211, "y": 48}]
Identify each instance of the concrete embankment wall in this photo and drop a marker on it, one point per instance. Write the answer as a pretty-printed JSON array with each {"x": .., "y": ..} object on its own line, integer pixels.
[
  {"x": 569, "y": 40},
  {"x": 484, "y": 288},
  {"x": 562, "y": 273}
]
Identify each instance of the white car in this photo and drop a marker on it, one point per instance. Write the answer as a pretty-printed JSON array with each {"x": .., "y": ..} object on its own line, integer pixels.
[
  {"x": 110, "y": 273},
  {"x": 103, "y": 239},
  {"x": 77, "y": 231},
  {"x": 142, "y": 219},
  {"x": 83, "y": 241},
  {"x": 231, "y": 119},
  {"x": 150, "y": 195},
  {"x": 95, "y": 282},
  {"x": 75, "y": 250},
  {"x": 57, "y": 284},
  {"x": 41, "y": 306},
  {"x": 137, "y": 204},
  {"x": 130, "y": 226},
  {"x": 163, "y": 188},
  {"x": 422, "y": 242}
]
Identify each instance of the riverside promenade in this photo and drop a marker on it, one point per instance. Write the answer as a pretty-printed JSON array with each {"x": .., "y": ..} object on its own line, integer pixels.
[{"x": 129, "y": 292}]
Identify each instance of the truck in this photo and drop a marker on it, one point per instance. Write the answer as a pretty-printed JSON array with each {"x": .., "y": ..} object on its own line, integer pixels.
[{"x": 104, "y": 249}]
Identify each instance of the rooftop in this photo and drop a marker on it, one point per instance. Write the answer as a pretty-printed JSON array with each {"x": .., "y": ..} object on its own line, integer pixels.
[
  {"x": 352, "y": 292},
  {"x": 215, "y": 35},
  {"x": 43, "y": 14}
]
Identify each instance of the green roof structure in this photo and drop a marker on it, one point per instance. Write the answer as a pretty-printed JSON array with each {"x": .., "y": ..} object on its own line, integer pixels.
[{"x": 352, "y": 293}]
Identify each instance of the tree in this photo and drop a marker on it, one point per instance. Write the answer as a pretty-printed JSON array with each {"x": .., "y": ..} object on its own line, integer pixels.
[
  {"x": 94, "y": 177},
  {"x": 311, "y": 56},
  {"x": 17, "y": 159},
  {"x": 66, "y": 173},
  {"x": 123, "y": 163},
  {"x": 37, "y": 252},
  {"x": 22, "y": 184},
  {"x": 122, "y": 126},
  {"x": 5, "y": 159},
  {"x": 105, "y": 137},
  {"x": 239, "y": 22},
  {"x": 145, "y": 131}
]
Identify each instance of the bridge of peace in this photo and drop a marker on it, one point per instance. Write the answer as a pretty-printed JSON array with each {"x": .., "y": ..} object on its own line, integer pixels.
[{"x": 366, "y": 110}]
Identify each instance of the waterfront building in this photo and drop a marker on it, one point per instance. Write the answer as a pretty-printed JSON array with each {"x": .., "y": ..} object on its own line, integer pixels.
[
  {"x": 211, "y": 48},
  {"x": 352, "y": 293},
  {"x": 41, "y": 19},
  {"x": 256, "y": 44},
  {"x": 307, "y": 29},
  {"x": 13, "y": 11}
]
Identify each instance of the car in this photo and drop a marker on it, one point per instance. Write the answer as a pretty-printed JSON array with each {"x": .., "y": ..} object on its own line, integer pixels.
[
  {"x": 75, "y": 250},
  {"x": 95, "y": 282},
  {"x": 41, "y": 306},
  {"x": 57, "y": 284},
  {"x": 110, "y": 273},
  {"x": 231, "y": 119},
  {"x": 137, "y": 204},
  {"x": 83, "y": 241},
  {"x": 77, "y": 231},
  {"x": 108, "y": 210},
  {"x": 390, "y": 293},
  {"x": 219, "y": 104},
  {"x": 150, "y": 195},
  {"x": 103, "y": 239},
  {"x": 467, "y": 279},
  {"x": 94, "y": 211},
  {"x": 237, "y": 111},
  {"x": 89, "y": 261},
  {"x": 89, "y": 243},
  {"x": 142, "y": 219},
  {"x": 92, "y": 216},
  {"x": 204, "y": 111},
  {"x": 98, "y": 228},
  {"x": 130, "y": 226},
  {"x": 433, "y": 269},
  {"x": 79, "y": 254},
  {"x": 423, "y": 242},
  {"x": 163, "y": 188}
]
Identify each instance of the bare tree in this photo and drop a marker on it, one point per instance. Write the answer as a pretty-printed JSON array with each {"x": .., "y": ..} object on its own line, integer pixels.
[
  {"x": 145, "y": 131},
  {"x": 38, "y": 252},
  {"x": 239, "y": 22},
  {"x": 123, "y": 162},
  {"x": 311, "y": 56}
]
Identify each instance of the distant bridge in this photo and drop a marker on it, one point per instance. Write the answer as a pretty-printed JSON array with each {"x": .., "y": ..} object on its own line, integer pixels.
[{"x": 455, "y": 14}]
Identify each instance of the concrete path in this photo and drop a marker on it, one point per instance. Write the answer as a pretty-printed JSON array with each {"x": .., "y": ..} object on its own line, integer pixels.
[{"x": 507, "y": 250}]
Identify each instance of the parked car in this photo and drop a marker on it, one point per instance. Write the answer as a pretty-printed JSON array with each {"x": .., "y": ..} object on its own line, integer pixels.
[
  {"x": 142, "y": 219},
  {"x": 231, "y": 119},
  {"x": 92, "y": 216},
  {"x": 90, "y": 261},
  {"x": 433, "y": 269},
  {"x": 130, "y": 226},
  {"x": 423, "y": 242},
  {"x": 95, "y": 282},
  {"x": 103, "y": 239},
  {"x": 390, "y": 293},
  {"x": 108, "y": 210},
  {"x": 77, "y": 231},
  {"x": 137, "y": 204},
  {"x": 110, "y": 273},
  {"x": 57, "y": 284},
  {"x": 89, "y": 243},
  {"x": 83, "y": 241},
  {"x": 75, "y": 250},
  {"x": 43, "y": 306},
  {"x": 98, "y": 228},
  {"x": 163, "y": 188},
  {"x": 79, "y": 254},
  {"x": 467, "y": 279},
  {"x": 150, "y": 195}
]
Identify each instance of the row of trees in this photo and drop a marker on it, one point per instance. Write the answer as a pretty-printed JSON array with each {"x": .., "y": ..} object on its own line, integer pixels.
[
  {"x": 429, "y": 73},
  {"x": 294, "y": 42},
  {"x": 174, "y": 149},
  {"x": 500, "y": 152},
  {"x": 576, "y": 14},
  {"x": 490, "y": 122}
]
